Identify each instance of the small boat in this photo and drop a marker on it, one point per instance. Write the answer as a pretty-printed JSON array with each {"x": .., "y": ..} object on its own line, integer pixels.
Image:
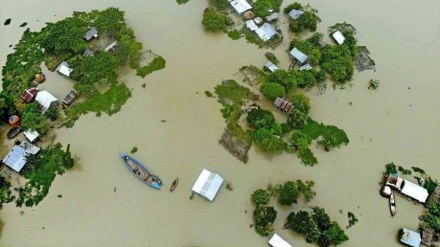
[
  {"x": 13, "y": 132},
  {"x": 174, "y": 184},
  {"x": 392, "y": 204},
  {"x": 140, "y": 171}
]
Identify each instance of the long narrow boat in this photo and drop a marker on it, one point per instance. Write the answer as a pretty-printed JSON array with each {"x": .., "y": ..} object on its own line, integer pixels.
[
  {"x": 174, "y": 184},
  {"x": 140, "y": 171},
  {"x": 392, "y": 204}
]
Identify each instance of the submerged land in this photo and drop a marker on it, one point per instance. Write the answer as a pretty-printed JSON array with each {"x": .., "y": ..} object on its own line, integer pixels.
[{"x": 175, "y": 129}]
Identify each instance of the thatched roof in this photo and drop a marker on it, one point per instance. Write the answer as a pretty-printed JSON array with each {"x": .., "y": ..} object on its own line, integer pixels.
[
  {"x": 39, "y": 78},
  {"x": 248, "y": 15}
]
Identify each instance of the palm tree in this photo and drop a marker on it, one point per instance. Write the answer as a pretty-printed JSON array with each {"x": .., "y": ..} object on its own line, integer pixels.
[{"x": 373, "y": 84}]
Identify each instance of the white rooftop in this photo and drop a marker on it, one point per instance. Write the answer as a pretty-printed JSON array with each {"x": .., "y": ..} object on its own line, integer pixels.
[
  {"x": 305, "y": 67},
  {"x": 64, "y": 69},
  {"x": 208, "y": 184},
  {"x": 266, "y": 32},
  {"x": 240, "y": 6},
  {"x": 31, "y": 135},
  {"x": 45, "y": 98},
  {"x": 415, "y": 191},
  {"x": 272, "y": 67},
  {"x": 277, "y": 241},
  {"x": 294, "y": 13},
  {"x": 339, "y": 37},
  {"x": 250, "y": 24},
  {"x": 411, "y": 238},
  {"x": 15, "y": 159},
  {"x": 298, "y": 55}
]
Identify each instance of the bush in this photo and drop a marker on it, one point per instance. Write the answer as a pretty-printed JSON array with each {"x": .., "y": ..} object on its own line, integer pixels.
[
  {"x": 273, "y": 90},
  {"x": 301, "y": 102},
  {"x": 214, "y": 21},
  {"x": 259, "y": 118},
  {"x": 234, "y": 34},
  {"x": 219, "y": 4},
  {"x": 297, "y": 119},
  {"x": 264, "y": 216},
  {"x": 260, "y": 197}
]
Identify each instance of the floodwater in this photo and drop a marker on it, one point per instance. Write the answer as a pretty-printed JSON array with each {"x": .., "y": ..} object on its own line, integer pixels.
[{"x": 398, "y": 122}]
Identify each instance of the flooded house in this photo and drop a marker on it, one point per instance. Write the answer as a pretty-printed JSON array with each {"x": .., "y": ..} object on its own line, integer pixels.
[
  {"x": 240, "y": 6},
  {"x": 283, "y": 104},
  {"x": 64, "y": 69},
  {"x": 298, "y": 56},
  {"x": 270, "y": 66},
  {"x": 277, "y": 241},
  {"x": 272, "y": 17},
  {"x": 295, "y": 14},
  {"x": 16, "y": 158},
  {"x": 208, "y": 184},
  {"x": 31, "y": 135},
  {"x": 408, "y": 188},
  {"x": 409, "y": 237},
  {"x": 265, "y": 32},
  {"x": 111, "y": 47},
  {"x": 70, "y": 98},
  {"x": 46, "y": 100},
  {"x": 338, "y": 37},
  {"x": 91, "y": 34},
  {"x": 29, "y": 94}
]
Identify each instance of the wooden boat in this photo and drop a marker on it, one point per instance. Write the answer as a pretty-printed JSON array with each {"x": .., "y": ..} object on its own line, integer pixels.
[
  {"x": 140, "y": 171},
  {"x": 174, "y": 184},
  {"x": 13, "y": 132},
  {"x": 392, "y": 204}
]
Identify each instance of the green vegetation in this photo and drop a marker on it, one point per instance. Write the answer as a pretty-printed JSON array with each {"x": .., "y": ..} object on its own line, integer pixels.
[
  {"x": 307, "y": 20},
  {"x": 209, "y": 94},
  {"x": 214, "y": 21},
  {"x": 23, "y": 24},
  {"x": 7, "y": 22},
  {"x": 33, "y": 119},
  {"x": 252, "y": 37},
  {"x": 182, "y": 1},
  {"x": 5, "y": 192},
  {"x": 289, "y": 192},
  {"x": 296, "y": 119},
  {"x": 219, "y": 4},
  {"x": 262, "y": 7},
  {"x": 351, "y": 219},
  {"x": 373, "y": 84},
  {"x": 233, "y": 96},
  {"x": 234, "y": 34},
  {"x": 109, "y": 102},
  {"x": 316, "y": 227},
  {"x": 264, "y": 217},
  {"x": 327, "y": 136},
  {"x": 301, "y": 102},
  {"x": 391, "y": 168},
  {"x": 41, "y": 171},
  {"x": 272, "y": 90},
  {"x": 158, "y": 63},
  {"x": 404, "y": 171},
  {"x": 134, "y": 150},
  {"x": 309, "y": 46},
  {"x": 229, "y": 186},
  {"x": 260, "y": 197}
]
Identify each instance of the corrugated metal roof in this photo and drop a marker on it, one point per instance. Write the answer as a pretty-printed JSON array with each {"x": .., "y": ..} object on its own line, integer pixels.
[
  {"x": 411, "y": 238},
  {"x": 277, "y": 241},
  {"x": 339, "y": 37},
  {"x": 250, "y": 24},
  {"x": 298, "y": 55},
  {"x": 91, "y": 33},
  {"x": 240, "y": 6},
  {"x": 272, "y": 67},
  {"x": 64, "y": 69},
  {"x": 294, "y": 13},
  {"x": 208, "y": 184},
  {"x": 415, "y": 191},
  {"x": 45, "y": 99}
]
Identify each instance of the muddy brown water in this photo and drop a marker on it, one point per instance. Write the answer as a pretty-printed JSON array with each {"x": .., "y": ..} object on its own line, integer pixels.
[{"x": 399, "y": 122}]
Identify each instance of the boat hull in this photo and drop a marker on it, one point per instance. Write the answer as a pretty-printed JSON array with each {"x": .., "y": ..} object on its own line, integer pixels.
[
  {"x": 392, "y": 202},
  {"x": 140, "y": 171}
]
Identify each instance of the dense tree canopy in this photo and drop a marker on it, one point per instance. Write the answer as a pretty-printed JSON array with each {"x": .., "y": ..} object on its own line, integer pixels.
[
  {"x": 32, "y": 119},
  {"x": 215, "y": 21},
  {"x": 260, "y": 196},
  {"x": 287, "y": 79},
  {"x": 267, "y": 139},
  {"x": 272, "y": 90},
  {"x": 219, "y": 4},
  {"x": 301, "y": 102},
  {"x": 259, "y": 118},
  {"x": 264, "y": 217},
  {"x": 297, "y": 119},
  {"x": 65, "y": 36}
]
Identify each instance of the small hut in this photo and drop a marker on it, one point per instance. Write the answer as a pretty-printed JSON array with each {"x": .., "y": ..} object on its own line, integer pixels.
[
  {"x": 91, "y": 34},
  {"x": 70, "y": 98},
  {"x": 14, "y": 120},
  {"x": 298, "y": 56},
  {"x": 272, "y": 17},
  {"x": 258, "y": 20},
  {"x": 338, "y": 37},
  {"x": 40, "y": 78},
  {"x": 386, "y": 191},
  {"x": 29, "y": 94},
  {"x": 295, "y": 13},
  {"x": 248, "y": 15},
  {"x": 46, "y": 100},
  {"x": 409, "y": 237}
]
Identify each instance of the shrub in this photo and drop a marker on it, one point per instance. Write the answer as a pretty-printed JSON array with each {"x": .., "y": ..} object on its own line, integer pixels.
[
  {"x": 301, "y": 102},
  {"x": 214, "y": 21},
  {"x": 260, "y": 197},
  {"x": 272, "y": 90}
]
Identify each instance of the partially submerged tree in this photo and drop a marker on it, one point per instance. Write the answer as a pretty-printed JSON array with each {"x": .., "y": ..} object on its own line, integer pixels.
[
  {"x": 373, "y": 84},
  {"x": 215, "y": 21},
  {"x": 272, "y": 90}
]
